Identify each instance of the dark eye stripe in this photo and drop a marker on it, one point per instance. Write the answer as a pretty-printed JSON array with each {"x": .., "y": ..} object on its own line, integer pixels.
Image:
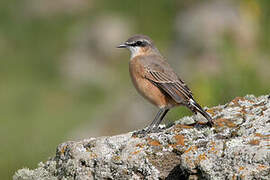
[
  {"x": 132, "y": 44},
  {"x": 138, "y": 43}
]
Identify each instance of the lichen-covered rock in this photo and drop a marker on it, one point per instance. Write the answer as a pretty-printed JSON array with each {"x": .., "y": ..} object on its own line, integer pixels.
[{"x": 237, "y": 147}]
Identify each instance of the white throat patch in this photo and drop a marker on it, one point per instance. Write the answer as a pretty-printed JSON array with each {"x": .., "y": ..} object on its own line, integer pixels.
[{"x": 135, "y": 51}]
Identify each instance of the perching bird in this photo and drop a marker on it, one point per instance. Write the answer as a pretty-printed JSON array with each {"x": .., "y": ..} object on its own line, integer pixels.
[{"x": 155, "y": 80}]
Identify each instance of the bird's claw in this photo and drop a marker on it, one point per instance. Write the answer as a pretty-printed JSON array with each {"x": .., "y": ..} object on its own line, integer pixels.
[
  {"x": 201, "y": 124},
  {"x": 146, "y": 131}
]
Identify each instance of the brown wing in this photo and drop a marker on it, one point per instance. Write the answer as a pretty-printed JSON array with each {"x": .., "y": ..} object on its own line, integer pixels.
[{"x": 162, "y": 75}]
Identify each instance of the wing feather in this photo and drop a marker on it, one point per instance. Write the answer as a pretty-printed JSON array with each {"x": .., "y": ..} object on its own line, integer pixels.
[
  {"x": 159, "y": 72},
  {"x": 173, "y": 86}
]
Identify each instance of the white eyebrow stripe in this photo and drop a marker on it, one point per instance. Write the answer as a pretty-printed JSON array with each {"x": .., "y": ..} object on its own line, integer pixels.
[
  {"x": 146, "y": 41},
  {"x": 130, "y": 42}
]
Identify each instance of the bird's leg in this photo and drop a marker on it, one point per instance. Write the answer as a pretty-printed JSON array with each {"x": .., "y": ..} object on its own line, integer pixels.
[
  {"x": 152, "y": 124},
  {"x": 165, "y": 111},
  {"x": 158, "y": 118}
]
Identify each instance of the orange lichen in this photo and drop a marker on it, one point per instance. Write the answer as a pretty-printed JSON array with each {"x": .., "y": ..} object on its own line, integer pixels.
[
  {"x": 201, "y": 123},
  {"x": 153, "y": 142},
  {"x": 136, "y": 152},
  {"x": 63, "y": 150},
  {"x": 191, "y": 148},
  {"x": 260, "y": 104},
  {"x": 243, "y": 111},
  {"x": 93, "y": 155},
  {"x": 188, "y": 161},
  {"x": 241, "y": 168},
  {"x": 140, "y": 145},
  {"x": 212, "y": 150},
  {"x": 230, "y": 123},
  {"x": 191, "y": 163},
  {"x": 177, "y": 128},
  {"x": 212, "y": 143},
  {"x": 261, "y": 135},
  {"x": 202, "y": 157},
  {"x": 254, "y": 142},
  {"x": 183, "y": 126},
  {"x": 235, "y": 100},
  {"x": 180, "y": 139},
  {"x": 224, "y": 122},
  {"x": 211, "y": 111},
  {"x": 262, "y": 166},
  {"x": 116, "y": 158},
  {"x": 218, "y": 122}
]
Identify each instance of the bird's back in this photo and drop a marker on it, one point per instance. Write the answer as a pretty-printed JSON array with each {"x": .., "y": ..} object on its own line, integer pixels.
[
  {"x": 158, "y": 63},
  {"x": 159, "y": 71}
]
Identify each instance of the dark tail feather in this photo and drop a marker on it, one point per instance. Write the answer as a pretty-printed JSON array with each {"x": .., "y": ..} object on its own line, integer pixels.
[{"x": 195, "y": 107}]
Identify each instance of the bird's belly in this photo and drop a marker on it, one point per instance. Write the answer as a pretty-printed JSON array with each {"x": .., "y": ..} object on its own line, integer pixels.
[{"x": 150, "y": 91}]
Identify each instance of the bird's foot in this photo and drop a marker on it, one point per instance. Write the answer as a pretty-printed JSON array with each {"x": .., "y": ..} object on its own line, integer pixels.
[
  {"x": 210, "y": 123},
  {"x": 147, "y": 130},
  {"x": 199, "y": 124},
  {"x": 140, "y": 133}
]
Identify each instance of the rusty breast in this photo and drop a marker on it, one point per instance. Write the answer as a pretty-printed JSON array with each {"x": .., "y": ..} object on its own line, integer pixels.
[{"x": 146, "y": 88}]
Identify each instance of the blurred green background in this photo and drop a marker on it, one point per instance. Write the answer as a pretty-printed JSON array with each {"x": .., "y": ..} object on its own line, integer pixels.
[{"x": 61, "y": 77}]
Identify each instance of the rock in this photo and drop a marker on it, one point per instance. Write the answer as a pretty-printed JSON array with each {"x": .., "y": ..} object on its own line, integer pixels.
[{"x": 237, "y": 147}]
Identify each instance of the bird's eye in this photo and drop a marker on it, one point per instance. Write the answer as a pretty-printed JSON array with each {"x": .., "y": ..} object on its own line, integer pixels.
[{"x": 139, "y": 43}]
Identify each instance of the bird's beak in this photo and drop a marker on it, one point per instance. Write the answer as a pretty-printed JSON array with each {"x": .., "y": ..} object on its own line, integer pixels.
[{"x": 122, "y": 46}]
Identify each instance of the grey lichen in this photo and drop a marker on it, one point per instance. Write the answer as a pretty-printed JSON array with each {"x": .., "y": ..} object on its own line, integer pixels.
[{"x": 237, "y": 147}]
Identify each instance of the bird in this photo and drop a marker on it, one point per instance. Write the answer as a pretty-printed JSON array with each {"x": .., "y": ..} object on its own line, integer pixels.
[{"x": 156, "y": 81}]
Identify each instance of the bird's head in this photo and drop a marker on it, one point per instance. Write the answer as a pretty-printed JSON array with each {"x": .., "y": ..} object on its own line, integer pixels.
[{"x": 139, "y": 45}]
